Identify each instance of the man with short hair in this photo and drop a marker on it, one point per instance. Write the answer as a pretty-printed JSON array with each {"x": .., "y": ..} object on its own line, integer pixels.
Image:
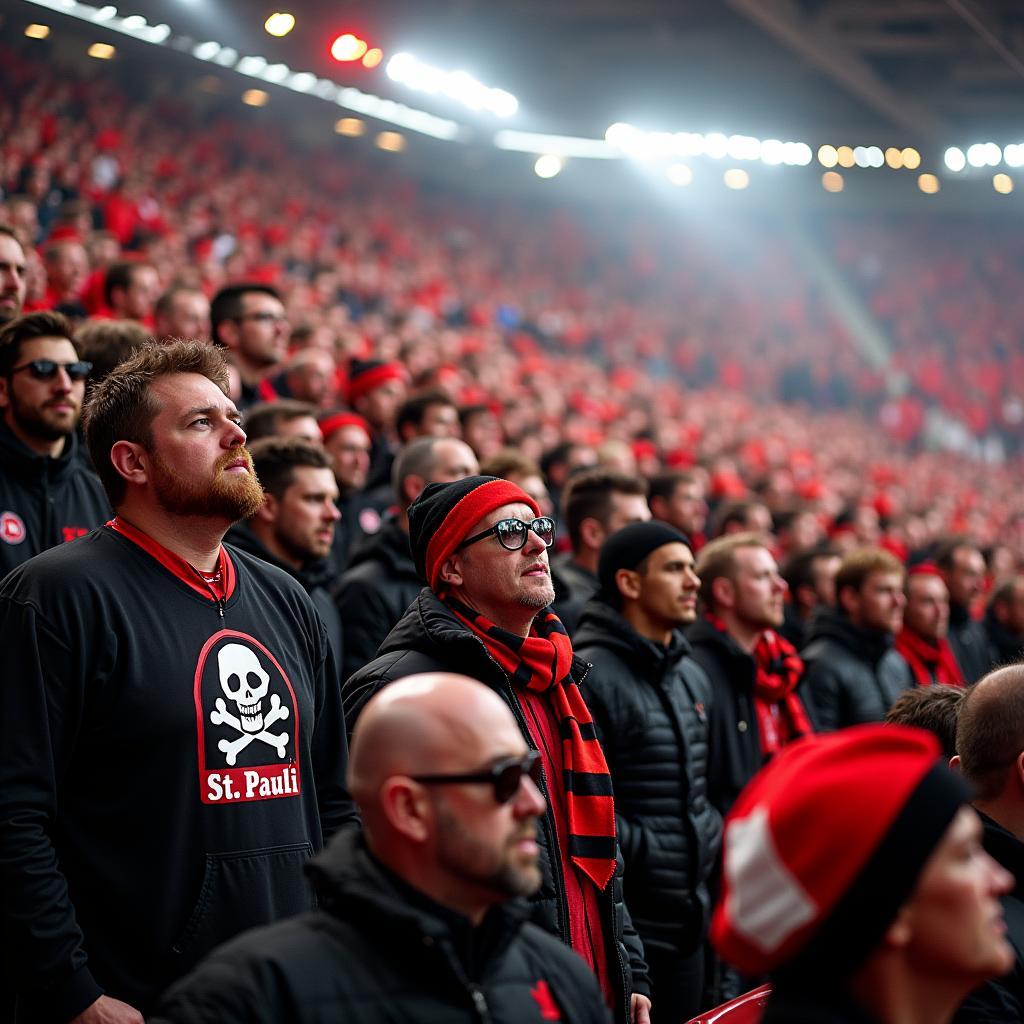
[
  {"x": 172, "y": 746},
  {"x": 48, "y": 493},
  {"x": 743, "y": 515},
  {"x": 596, "y": 503},
  {"x": 963, "y": 569},
  {"x": 811, "y": 578},
  {"x": 990, "y": 754},
  {"x": 757, "y": 706},
  {"x": 381, "y": 580},
  {"x": 481, "y": 546},
  {"x": 1004, "y": 620},
  {"x": 67, "y": 268},
  {"x": 181, "y": 312},
  {"x": 422, "y": 917},
  {"x": 248, "y": 319},
  {"x": 106, "y": 343},
  {"x": 935, "y": 708},
  {"x": 284, "y": 417},
  {"x": 12, "y": 276},
  {"x": 512, "y": 464},
  {"x": 130, "y": 291},
  {"x": 294, "y": 527},
  {"x": 678, "y": 498},
  {"x": 430, "y": 413},
  {"x": 376, "y": 389},
  {"x": 922, "y": 640},
  {"x": 309, "y": 375},
  {"x": 854, "y": 672},
  {"x": 649, "y": 699},
  {"x": 854, "y": 877}
]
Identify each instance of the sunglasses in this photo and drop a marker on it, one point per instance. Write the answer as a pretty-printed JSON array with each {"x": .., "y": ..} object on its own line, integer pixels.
[
  {"x": 46, "y": 369},
  {"x": 505, "y": 776},
  {"x": 512, "y": 533}
]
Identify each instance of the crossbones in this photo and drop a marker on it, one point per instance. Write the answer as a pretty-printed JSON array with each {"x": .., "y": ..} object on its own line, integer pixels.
[{"x": 232, "y": 748}]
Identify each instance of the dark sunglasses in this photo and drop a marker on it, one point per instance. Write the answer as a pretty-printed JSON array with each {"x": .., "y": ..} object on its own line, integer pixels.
[
  {"x": 46, "y": 369},
  {"x": 512, "y": 533},
  {"x": 505, "y": 776}
]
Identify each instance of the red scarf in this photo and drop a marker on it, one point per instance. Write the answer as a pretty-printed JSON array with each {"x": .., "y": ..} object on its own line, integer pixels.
[
  {"x": 542, "y": 662},
  {"x": 929, "y": 662},
  {"x": 781, "y": 717}
]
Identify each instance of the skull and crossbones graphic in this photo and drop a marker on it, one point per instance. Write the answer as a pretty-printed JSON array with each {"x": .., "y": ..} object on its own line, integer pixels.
[{"x": 235, "y": 661}]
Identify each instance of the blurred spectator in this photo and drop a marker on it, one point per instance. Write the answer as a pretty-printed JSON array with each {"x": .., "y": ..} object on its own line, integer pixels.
[
  {"x": 12, "y": 276},
  {"x": 48, "y": 493},
  {"x": 67, "y": 268},
  {"x": 935, "y": 708},
  {"x": 854, "y": 673},
  {"x": 105, "y": 343},
  {"x": 282, "y": 418},
  {"x": 561, "y": 462},
  {"x": 922, "y": 640},
  {"x": 131, "y": 290},
  {"x": 1004, "y": 620},
  {"x": 798, "y": 530},
  {"x": 811, "y": 579},
  {"x": 376, "y": 390},
  {"x": 481, "y": 430},
  {"x": 677, "y": 497},
  {"x": 744, "y": 515},
  {"x": 512, "y": 465},
  {"x": 294, "y": 527},
  {"x": 596, "y": 503},
  {"x": 309, "y": 376},
  {"x": 427, "y": 414},
  {"x": 181, "y": 312},
  {"x": 963, "y": 569}
]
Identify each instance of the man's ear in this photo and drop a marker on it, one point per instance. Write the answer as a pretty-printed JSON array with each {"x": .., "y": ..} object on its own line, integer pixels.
[
  {"x": 628, "y": 582},
  {"x": 592, "y": 533},
  {"x": 4, "y": 399},
  {"x": 412, "y": 487},
  {"x": 227, "y": 334},
  {"x": 269, "y": 510},
  {"x": 131, "y": 460},
  {"x": 405, "y": 806},
  {"x": 723, "y": 593},
  {"x": 954, "y": 762},
  {"x": 901, "y": 930},
  {"x": 451, "y": 572}
]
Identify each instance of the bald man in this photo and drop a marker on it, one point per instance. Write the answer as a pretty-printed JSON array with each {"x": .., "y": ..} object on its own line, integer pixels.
[
  {"x": 990, "y": 749},
  {"x": 420, "y": 915}
]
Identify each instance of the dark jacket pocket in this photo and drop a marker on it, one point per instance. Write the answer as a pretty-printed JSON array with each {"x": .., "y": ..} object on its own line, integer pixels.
[{"x": 240, "y": 891}]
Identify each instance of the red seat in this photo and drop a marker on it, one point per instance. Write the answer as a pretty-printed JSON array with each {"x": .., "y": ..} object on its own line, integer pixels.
[{"x": 745, "y": 1009}]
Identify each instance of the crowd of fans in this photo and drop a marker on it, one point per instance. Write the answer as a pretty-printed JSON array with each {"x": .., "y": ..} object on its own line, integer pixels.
[{"x": 748, "y": 546}]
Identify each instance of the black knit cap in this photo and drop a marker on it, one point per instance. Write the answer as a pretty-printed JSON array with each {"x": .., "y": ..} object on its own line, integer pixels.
[{"x": 628, "y": 547}]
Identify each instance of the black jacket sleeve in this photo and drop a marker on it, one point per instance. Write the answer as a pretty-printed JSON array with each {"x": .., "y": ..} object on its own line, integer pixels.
[
  {"x": 42, "y": 705},
  {"x": 367, "y": 619},
  {"x": 823, "y": 689}
]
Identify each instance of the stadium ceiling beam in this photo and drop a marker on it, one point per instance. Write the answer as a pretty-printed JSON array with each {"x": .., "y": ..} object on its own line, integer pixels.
[
  {"x": 987, "y": 31},
  {"x": 826, "y": 51}
]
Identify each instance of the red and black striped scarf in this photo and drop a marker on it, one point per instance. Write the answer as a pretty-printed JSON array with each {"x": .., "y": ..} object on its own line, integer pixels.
[
  {"x": 542, "y": 662},
  {"x": 929, "y": 661}
]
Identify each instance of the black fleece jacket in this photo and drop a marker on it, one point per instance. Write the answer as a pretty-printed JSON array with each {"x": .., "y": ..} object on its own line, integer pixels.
[{"x": 378, "y": 952}]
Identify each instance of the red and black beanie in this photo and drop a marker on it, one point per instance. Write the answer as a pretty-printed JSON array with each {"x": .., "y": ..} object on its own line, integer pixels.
[
  {"x": 825, "y": 845},
  {"x": 366, "y": 374},
  {"x": 333, "y": 422},
  {"x": 441, "y": 518}
]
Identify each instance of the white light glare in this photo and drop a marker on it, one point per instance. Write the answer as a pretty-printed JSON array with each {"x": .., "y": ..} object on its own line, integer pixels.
[
  {"x": 772, "y": 151},
  {"x": 547, "y": 166},
  {"x": 955, "y": 159},
  {"x": 460, "y": 86},
  {"x": 1013, "y": 155},
  {"x": 642, "y": 145},
  {"x": 984, "y": 154},
  {"x": 679, "y": 174}
]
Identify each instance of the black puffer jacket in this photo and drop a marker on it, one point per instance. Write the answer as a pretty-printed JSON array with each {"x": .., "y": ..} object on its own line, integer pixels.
[
  {"x": 853, "y": 675},
  {"x": 650, "y": 704},
  {"x": 375, "y": 592},
  {"x": 970, "y": 643},
  {"x": 574, "y": 587},
  {"x": 379, "y": 952},
  {"x": 430, "y": 639}
]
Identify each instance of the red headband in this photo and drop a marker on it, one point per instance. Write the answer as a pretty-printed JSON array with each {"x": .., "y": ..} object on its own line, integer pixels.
[
  {"x": 370, "y": 379},
  {"x": 332, "y": 424}
]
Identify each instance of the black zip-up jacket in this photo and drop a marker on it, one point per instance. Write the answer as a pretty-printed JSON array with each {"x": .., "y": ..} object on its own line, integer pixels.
[
  {"x": 574, "y": 587},
  {"x": 44, "y": 502},
  {"x": 430, "y": 639},
  {"x": 155, "y": 798},
  {"x": 854, "y": 675},
  {"x": 379, "y": 952},
  {"x": 315, "y": 578},
  {"x": 969, "y": 640},
  {"x": 1001, "y": 1000},
  {"x": 379, "y": 585},
  {"x": 649, "y": 704}
]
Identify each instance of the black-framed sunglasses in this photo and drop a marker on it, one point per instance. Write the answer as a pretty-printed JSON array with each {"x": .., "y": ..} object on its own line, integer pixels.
[
  {"x": 505, "y": 776},
  {"x": 512, "y": 533},
  {"x": 46, "y": 369}
]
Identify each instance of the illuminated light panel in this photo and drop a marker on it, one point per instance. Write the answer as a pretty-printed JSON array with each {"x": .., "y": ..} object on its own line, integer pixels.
[
  {"x": 391, "y": 142},
  {"x": 255, "y": 98},
  {"x": 350, "y": 126},
  {"x": 559, "y": 145},
  {"x": 1013, "y": 155},
  {"x": 460, "y": 86},
  {"x": 928, "y": 184},
  {"x": 828, "y": 156},
  {"x": 894, "y": 158},
  {"x": 832, "y": 181},
  {"x": 102, "y": 51},
  {"x": 373, "y": 57},
  {"x": 1002, "y": 183},
  {"x": 37, "y": 31},
  {"x": 911, "y": 158},
  {"x": 736, "y": 178},
  {"x": 279, "y": 24},
  {"x": 773, "y": 152},
  {"x": 844, "y": 156},
  {"x": 548, "y": 166},
  {"x": 955, "y": 159},
  {"x": 679, "y": 174},
  {"x": 347, "y": 48}
]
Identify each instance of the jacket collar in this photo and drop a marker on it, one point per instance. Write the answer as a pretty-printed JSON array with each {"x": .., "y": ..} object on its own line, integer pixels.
[
  {"x": 16, "y": 456},
  {"x": 868, "y": 645},
  {"x": 1004, "y": 847},
  {"x": 314, "y": 574},
  {"x": 601, "y": 625}
]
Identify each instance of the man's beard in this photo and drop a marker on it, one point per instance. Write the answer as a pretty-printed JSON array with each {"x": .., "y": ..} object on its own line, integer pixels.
[
  {"x": 40, "y": 422},
  {"x": 225, "y": 497}
]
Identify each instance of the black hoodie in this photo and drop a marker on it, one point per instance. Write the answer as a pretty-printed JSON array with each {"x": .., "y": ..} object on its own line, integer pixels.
[
  {"x": 44, "y": 502},
  {"x": 853, "y": 675}
]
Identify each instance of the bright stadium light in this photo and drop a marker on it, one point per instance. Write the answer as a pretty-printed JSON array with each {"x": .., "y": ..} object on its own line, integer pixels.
[
  {"x": 928, "y": 184},
  {"x": 1002, "y": 183},
  {"x": 860, "y": 156},
  {"x": 716, "y": 145},
  {"x": 279, "y": 24},
  {"x": 828, "y": 156},
  {"x": 736, "y": 178},
  {"x": 832, "y": 181},
  {"x": 773, "y": 152},
  {"x": 679, "y": 174},
  {"x": 1013, "y": 155},
  {"x": 548, "y": 166},
  {"x": 977, "y": 155},
  {"x": 911, "y": 158},
  {"x": 955, "y": 159},
  {"x": 460, "y": 86}
]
